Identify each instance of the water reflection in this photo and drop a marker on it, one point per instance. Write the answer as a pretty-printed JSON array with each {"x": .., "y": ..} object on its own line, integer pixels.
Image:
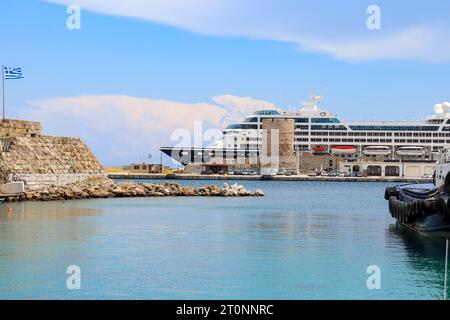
[
  {"x": 31, "y": 223},
  {"x": 416, "y": 245},
  {"x": 43, "y": 211},
  {"x": 295, "y": 246},
  {"x": 424, "y": 256},
  {"x": 38, "y": 240}
]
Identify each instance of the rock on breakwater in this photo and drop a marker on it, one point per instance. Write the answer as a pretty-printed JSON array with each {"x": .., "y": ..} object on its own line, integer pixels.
[{"x": 105, "y": 188}]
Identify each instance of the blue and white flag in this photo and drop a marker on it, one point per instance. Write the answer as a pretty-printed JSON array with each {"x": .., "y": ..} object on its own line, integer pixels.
[{"x": 13, "y": 73}]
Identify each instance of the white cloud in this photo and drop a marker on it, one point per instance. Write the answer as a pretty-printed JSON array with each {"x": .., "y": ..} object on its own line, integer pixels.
[
  {"x": 323, "y": 26},
  {"x": 121, "y": 129},
  {"x": 420, "y": 42},
  {"x": 239, "y": 107}
]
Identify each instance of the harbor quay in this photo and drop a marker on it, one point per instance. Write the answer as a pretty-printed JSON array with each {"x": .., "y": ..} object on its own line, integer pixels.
[{"x": 153, "y": 176}]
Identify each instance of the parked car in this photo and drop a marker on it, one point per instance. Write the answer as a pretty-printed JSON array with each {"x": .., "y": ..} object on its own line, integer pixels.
[
  {"x": 311, "y": 174},
  {"x": 336, "y": 173},
  {"x": 268, "y": 171},
  {"x": 332, "y": 174}
]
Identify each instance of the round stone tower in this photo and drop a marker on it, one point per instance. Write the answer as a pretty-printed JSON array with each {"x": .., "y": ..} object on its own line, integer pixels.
[{"x": 278, "y": 142}]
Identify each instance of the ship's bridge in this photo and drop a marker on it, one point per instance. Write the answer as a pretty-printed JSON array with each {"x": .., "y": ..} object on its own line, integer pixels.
[{"x": 267, "y": 113}]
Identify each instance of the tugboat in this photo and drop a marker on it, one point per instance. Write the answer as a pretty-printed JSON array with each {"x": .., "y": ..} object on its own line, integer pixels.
[{"x": 424, "y": 208}]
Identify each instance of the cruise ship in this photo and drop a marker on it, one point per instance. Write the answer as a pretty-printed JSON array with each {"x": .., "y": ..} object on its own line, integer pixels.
[{"x": 320, "y": 132}]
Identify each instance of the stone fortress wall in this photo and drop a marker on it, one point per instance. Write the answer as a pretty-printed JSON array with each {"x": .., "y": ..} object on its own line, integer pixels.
[
  {"x": 19, "y": 128},
  {"x": 39, "y": 160}
]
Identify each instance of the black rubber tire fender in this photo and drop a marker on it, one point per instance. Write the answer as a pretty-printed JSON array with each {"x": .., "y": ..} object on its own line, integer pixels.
[
  {"x": 417, "y": 210},
  {"x": 447, "y": 182},
  {"x": 390, "y": 192},
  {"x": 390, "y": 206},
  {"x": 393, "y": 208},
  {"x": 446, "y": 201},
  {"x": 405, "y": 209},
  {"x": 411, "y": 212},
  {"x": 426, "y": 208},
  {"x": 442, "y": 206}
]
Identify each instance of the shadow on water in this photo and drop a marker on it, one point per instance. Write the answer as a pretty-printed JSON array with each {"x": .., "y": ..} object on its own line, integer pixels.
[{"x": 417, "y": 245}]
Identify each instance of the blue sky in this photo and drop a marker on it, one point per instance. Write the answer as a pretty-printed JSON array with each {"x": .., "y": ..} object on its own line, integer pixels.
[{"x": 120, "y": 80}]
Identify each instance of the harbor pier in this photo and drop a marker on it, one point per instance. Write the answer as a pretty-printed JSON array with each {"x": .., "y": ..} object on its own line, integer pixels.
[{"x": 149, "y": 176}]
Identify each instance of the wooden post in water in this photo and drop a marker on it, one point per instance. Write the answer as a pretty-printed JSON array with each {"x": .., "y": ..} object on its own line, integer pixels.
[{"x": 445, "y": 275}]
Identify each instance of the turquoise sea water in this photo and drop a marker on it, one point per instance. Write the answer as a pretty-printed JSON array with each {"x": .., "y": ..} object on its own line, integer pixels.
[{"x": 303, "y": 240}]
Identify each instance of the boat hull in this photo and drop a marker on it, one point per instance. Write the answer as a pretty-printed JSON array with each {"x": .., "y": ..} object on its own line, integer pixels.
[
  {"x": 432, "y": 225},
  {"x": 421, "y": 207},
  {"x": 187, "y": 155}
]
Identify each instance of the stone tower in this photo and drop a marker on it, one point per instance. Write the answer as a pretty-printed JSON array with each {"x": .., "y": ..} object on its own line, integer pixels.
[{"x": 279, "y": 132}]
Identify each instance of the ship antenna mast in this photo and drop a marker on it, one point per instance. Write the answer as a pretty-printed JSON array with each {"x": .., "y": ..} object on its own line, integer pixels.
[
  {"x": 311, "y": 105},
  {"x": 315, "y": 99}
]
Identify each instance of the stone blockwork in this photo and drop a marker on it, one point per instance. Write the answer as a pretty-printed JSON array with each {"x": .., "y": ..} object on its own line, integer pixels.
[
  {"x": 48, "y": 155},
  {"x": 279, "y": 136},
  {"x": 19, "y": 128},
  {"x": 41, "y": 180},
  {"x": 310, "y": 162},
  {"x": 44, "y": 160}
]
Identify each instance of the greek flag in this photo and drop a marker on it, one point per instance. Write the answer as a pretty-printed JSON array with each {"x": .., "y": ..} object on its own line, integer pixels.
[{"x": 13, "y": 73}]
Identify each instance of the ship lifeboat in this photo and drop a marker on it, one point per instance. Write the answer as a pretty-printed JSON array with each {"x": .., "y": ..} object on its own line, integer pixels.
[
  {"x": 319, "y": 149},
  {"x": 411, "y": 151},
  {"x": 377, "y": 150},
  {"x": 343, "y": 149}
]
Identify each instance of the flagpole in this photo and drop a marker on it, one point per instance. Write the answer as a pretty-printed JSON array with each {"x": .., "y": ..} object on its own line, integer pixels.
[{"x": 3, "y": 89}]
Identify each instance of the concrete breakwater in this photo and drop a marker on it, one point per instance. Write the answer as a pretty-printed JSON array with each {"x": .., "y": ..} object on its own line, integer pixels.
[{"x": 95, "y": 188}]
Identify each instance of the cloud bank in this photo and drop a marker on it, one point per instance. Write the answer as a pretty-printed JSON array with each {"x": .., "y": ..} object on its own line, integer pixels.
[
  {"x": 327, "y": 27},
  {"x": 121, "y": 129}
]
